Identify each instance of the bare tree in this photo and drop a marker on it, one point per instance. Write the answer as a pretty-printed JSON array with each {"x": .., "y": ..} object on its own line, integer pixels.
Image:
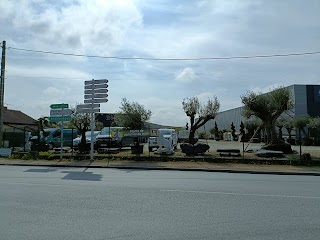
[{"x": 199, "y": 113}]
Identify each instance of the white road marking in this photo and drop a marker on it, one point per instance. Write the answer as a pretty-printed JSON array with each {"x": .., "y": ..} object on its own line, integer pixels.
[{"x": 241, "y": 194}]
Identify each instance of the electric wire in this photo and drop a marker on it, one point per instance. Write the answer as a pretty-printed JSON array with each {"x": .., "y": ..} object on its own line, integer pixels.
[{"x": 169, "y": 59}]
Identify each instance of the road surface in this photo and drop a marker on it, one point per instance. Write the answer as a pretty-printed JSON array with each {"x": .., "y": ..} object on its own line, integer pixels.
[{"x": 96, "y": 203}]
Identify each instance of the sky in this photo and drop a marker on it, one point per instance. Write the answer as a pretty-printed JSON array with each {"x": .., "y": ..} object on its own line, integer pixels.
[{"x": 155, "y": 29}]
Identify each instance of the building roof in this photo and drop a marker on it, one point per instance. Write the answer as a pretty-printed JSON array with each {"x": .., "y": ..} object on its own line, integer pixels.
[{"x": 15, "y": 117}]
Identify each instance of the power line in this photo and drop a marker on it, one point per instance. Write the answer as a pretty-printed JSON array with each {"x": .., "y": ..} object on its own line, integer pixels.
[
  {"x": 14, "y": 76},
  {"x": 169, "y": 59}
]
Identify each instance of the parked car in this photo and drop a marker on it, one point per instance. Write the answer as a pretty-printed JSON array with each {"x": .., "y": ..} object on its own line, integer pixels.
[
  {"x": 109, "y": 137},
  {"x": 77, "y": 140}
]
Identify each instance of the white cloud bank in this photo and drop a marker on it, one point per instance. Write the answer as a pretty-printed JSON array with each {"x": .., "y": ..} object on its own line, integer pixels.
[{"x": 156, "y": 29}]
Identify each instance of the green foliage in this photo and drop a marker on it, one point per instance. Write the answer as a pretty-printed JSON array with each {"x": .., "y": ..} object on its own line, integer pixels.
[
  {"x": 28, "y": 156},
  {"x": 204, "y": 112},
  {"x": 203, "y": 135},
  {"x": 242, "y": 132},
  {"x": 215, "y": 130},
  {"x": 132, "y": 115},
  {"x": 267, "y": 107},
  {"x": 47, "y": 155},
  {"x": 301, "y": 121},
  {"x": 287, "y": 124},
  {"x": 252, "y": 124},
  {"x": 314, "y": 123}
]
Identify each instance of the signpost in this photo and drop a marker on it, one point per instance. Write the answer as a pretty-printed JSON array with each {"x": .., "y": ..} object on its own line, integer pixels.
[
  {"x": 60, "y": 105},
  {"x": 60, "y": 113},
  {"x": 88, "y": 110},
  {"x": 95, "y": 92},
  {"x": 60, "y": 119}
]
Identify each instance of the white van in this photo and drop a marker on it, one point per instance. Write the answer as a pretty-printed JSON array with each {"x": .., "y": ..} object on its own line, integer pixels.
[{"x": 166, "y": 138}]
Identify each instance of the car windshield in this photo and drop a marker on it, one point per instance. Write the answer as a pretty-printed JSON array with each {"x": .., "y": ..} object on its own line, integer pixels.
[
  {"x": 166, "y": 132},
  {"x": 88, "y": 134},
  {"x": 105, "y": 131}
]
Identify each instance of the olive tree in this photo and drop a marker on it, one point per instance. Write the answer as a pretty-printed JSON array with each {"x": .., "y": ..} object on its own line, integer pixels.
[
  {"x": 81, "y": 121},
  {"x": 268, "y": 107},
  {"x": 314, "y": 124},
  {"x": 301, "y": 122},
  {"x": 132, "y": 115},
  {"x": 199, "y": 113},
  {"x": 288, "y": 125}
]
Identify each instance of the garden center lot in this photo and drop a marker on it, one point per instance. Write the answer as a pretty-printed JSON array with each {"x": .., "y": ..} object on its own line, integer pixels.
[{"x": 314, "y": 151}]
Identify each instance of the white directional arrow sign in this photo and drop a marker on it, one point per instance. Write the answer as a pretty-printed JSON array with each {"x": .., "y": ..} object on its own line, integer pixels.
[
  {"x": 83, "y": 106},
  {"x": 88, "y": 110},
  {"x": 96, "y": 100},
  {"x": 98, "y": 95},
  {"x": 95, "y": 86},
  {"x": 96, "y": 81},
  {"x": 60, "y": 112},
  {"x": 94, "y": 91}
]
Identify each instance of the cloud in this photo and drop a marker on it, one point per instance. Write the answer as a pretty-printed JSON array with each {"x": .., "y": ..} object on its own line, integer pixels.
[
  {"x": 87, "y": 27},
  {"x": 187, "y": 75},
  {"x": 156, "y": 29}
]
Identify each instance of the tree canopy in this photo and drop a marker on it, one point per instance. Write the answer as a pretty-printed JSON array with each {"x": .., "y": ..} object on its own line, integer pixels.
[
  {"x": 199, "y": 113},
  {"x": 268, "y": 107},
  {"x": 132, "y": 115}
]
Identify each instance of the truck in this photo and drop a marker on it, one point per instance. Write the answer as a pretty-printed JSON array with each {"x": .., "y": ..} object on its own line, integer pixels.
[{"x": 166, "y": 140}]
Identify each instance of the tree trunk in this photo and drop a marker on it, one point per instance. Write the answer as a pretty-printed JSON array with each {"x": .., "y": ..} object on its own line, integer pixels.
[{"x": 191, "y": 136}]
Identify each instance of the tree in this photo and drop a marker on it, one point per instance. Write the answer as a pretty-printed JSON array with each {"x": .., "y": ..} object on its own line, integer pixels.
[
  {"x": 233, "y": 132},
  {"x": 280, "y": 123},
  {"x": 199, "y": 113},
  {"x": 314, "y": 124},
  {"x": 44, "y": 123},
  {"x": 251, "y": 125},
  {"x": 81, "y": 121},
  {"x": 242, "y": 132},
  {"x": 132, "y": 115},
  {"x": 268, "y": 107},
  {"x": 301, "y": 122},
  {"x": 289, "y": 126}
]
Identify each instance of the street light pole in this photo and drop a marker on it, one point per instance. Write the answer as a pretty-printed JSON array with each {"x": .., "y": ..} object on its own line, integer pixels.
[{"x": 3, "y": 68}]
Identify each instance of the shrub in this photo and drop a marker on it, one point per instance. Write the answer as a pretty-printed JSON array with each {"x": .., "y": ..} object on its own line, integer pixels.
[{"x": 46, "y": 155}]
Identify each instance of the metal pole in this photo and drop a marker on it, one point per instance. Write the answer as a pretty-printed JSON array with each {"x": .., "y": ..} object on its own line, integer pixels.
[
  {"x": 3, "y": 67},
  {"x": 61, "y": 144},
  {"x": 92, "y": 132},
  {"x": 300, "y": 143}
]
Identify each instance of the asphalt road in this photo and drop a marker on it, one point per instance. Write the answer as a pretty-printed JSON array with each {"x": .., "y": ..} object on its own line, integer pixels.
[{"x": 78, "y": 203}]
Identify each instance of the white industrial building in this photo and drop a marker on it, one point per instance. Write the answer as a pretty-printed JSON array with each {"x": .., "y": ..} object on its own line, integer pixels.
[{"x": 306, "y": 99}]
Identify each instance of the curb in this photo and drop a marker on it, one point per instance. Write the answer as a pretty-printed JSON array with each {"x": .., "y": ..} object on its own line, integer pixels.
[{"x": 168, "y": 169}]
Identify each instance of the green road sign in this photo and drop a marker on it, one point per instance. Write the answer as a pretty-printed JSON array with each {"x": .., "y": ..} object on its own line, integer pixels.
[
  {"x": 59, "y": 105},
  {"x": 60, "y": 119}
]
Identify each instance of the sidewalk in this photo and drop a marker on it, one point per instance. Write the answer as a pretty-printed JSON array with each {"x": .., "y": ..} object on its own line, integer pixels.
[{"x": 178, "y": 166}]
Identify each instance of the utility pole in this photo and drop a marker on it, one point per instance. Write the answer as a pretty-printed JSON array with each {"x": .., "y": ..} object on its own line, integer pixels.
[{"x": 3, "y": 68}]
